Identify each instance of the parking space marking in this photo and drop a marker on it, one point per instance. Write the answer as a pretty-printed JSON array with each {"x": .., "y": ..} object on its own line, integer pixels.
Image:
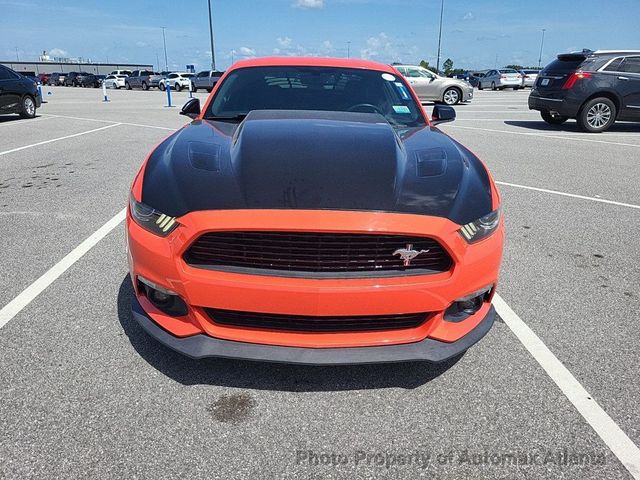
[
  {"x": 530, "y": 134},
  {"x": 112, "y": 121},
  {"x": 556, "y": 132},
  {"x": 607, "y": 429},
  {"x": 57, "y": 139},
  {"x": 572, "y": 195},
  {"x": 23, "y": 299}
]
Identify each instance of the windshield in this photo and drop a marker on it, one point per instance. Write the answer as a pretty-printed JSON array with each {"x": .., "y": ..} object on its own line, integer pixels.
[{"x": 316, "y": 88}]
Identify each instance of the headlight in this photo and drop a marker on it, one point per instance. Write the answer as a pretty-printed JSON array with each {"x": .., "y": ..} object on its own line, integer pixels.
[
  {"x": 481, "y": 228},
  {"x": 151, "y": 219}
]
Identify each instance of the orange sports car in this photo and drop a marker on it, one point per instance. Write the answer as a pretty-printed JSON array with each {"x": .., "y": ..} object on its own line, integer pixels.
[{"x": 312, "y": 213}]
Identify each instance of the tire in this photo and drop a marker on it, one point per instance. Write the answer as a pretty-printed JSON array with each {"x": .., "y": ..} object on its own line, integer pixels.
[
  {"x": 553, "y": 120},
  {"x": 145, "y": 87},
  {"x": 451, "y": 96},
  {"x": 194, "y": 89},
  {"x": 597, "y": 115},
  {"x": 177, "y": 87},
  {"x": 127, "y": 85},
  {"x": 209, "y": 90},
  {"x": 28, "y": 107},
  {"x": 162, "y": 87},
  {"x": 493, "y": 86},
  {"x": 479, "y": 85}
]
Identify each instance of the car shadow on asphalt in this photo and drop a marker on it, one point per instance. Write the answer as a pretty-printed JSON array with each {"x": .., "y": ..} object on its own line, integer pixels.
[
  {"x": 270, "y": 376},
  {"x": 13, "y": 118},
  {"x": 571, "y": 126}
]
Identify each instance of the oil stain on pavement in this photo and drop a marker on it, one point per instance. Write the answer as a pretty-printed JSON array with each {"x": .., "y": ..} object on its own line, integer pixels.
[{"x": 232, "y": 408}]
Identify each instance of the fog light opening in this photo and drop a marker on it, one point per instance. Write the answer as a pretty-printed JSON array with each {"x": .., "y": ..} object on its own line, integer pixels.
[
  {"x": 164, "y": 300},
  {"x": 468, "y": 305}
]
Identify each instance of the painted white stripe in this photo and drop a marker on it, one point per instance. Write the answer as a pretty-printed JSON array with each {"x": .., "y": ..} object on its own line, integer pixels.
[
  {"x": 572, "y": 195},
  {"x": 529, "y": 134},
  {"x": 16, "y": 305},
  {"x": 111, "y": 121},
  {"x": 608, "y": 430},
  {"x": 57, "y": 139}
]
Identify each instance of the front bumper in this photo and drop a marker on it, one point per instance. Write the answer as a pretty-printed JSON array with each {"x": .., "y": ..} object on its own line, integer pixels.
[
  {"x": 203, "y": 346},
  {"x": 160, "y": 260}
]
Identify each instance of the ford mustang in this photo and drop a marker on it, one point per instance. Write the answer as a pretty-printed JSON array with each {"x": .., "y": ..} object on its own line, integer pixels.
[{"x": 312, "y": 213}]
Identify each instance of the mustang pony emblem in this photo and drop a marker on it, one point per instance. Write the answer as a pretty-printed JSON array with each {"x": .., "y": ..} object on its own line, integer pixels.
[{"x": 407, "y": 254}]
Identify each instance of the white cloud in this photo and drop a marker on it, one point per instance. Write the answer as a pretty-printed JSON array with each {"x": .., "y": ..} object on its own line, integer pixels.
[
  {"x": 468, "y": 16},
  {"x": 284, "y": 42},
  {"x": 247, "y": 52},
  {"x": 58, "y": 52},
  {"x": 327, "y": 45},
  {"x": 317, "y": 4},
  {"x": 381, "y": 48},
  {"x": 141, "y": 44}
]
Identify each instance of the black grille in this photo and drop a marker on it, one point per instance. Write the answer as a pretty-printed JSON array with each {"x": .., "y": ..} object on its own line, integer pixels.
[
  {"x": 316, "y": 254},
  {"x": 315, "y": 324}
]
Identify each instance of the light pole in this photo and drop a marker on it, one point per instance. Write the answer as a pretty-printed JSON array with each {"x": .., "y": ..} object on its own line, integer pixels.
[
  {"x": 348, "y": 49},
  {"x": 164, "y": 41},
  {"x": 17, "y": 57},
  {"x": 213, "y": 55},
  {"x": 440, "y": 35},
  {"x": 541, "y": 46}
]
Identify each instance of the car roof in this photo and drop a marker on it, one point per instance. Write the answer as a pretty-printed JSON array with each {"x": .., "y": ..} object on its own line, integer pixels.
[{"x": 312, "y": 62}]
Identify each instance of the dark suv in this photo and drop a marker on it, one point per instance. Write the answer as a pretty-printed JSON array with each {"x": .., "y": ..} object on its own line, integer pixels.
[{"x": 594, "y": 87}]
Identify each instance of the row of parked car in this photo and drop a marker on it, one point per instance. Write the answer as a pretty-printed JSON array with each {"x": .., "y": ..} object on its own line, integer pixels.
[
  {"x": 499, "y": 79},
  {"x": 144, "y": 79}
]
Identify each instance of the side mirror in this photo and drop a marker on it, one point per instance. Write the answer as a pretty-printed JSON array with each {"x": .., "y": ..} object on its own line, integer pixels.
[
  {"x": 442, "y": 114},
  {"x": 192, "y": 108}
]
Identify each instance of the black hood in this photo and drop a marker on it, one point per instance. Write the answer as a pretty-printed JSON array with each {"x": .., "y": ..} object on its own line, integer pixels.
[{"x": 315, "y": 160}]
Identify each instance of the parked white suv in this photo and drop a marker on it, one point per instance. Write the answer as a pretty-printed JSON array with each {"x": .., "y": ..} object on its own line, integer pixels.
[{"x": 177, "y": 80}]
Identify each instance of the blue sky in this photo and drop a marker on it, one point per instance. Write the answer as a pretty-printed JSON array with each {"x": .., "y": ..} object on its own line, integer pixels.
[{"x": 474, "y": 33}]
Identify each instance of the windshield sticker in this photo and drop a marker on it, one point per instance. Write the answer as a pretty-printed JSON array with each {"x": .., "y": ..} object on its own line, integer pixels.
[
  {"x": 401, "y": 109},
  {"x": 388, "y": 77},
  {"x": 403, "y": 90}
]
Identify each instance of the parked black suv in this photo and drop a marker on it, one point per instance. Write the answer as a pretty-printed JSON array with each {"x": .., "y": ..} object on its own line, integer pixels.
[
  {"x": 594, "y": 87},
  {"x": 18, "y": 94}
]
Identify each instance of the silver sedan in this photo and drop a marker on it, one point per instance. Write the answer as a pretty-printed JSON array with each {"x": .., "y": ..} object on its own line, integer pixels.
[{"x": 434, "y": 88}]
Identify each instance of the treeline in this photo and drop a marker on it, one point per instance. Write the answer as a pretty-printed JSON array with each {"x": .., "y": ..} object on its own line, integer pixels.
[{"x": 448, "y": 67}]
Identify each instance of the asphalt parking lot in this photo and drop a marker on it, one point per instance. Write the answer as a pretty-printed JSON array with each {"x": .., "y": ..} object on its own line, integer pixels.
[{"x": 86, "y": 393}]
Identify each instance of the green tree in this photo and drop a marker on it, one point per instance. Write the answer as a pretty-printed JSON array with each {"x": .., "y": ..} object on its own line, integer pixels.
[
  {"x": 515, "y": 67},
  {"x": 425, "y": 64},
  {"x": 447, "y": 66}
]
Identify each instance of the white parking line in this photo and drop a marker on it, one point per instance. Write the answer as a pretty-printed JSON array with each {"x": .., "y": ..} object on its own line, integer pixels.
[
  {"x": 572, "y": 195},
  {"x": 112, "y": 121},
  {"x": 530, "y": 134},
  {"x": 16, "y": 305},
  {"x": 57, "y": 139},
  {"x": 607, "y": 429}
]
